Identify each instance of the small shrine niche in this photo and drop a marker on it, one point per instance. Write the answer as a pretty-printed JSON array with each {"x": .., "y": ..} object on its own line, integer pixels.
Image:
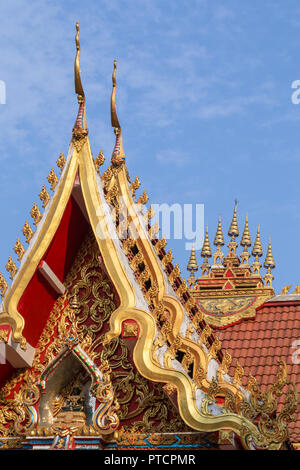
[{"x": 67, "y": 400}]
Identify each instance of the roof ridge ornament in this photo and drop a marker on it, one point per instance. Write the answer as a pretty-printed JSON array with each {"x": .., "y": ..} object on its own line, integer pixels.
[
  {"x": 192, "y": 264},
  {"x": 233, "y": 232},
  {"x": 257, "y": 251},
  {"x": 80, "y": 130},
  {"x": 269, "y": 264},
  {"x": 245, "y": 242},
  {"x": 118, "y": 156}
]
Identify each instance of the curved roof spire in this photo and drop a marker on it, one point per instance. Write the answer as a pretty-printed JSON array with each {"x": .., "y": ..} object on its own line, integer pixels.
[
  {"x": 118, "y": 156},
  {"x": 77, "y": 77},
  {"x": 113, "y": 109},
  {"x": 80, "y": 126}
]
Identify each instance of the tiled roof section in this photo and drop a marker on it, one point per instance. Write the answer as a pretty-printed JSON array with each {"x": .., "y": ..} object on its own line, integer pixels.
[{"x": 260, "y": 343}]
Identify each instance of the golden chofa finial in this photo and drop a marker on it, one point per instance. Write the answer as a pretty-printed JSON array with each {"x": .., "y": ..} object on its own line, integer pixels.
[
  {"x": 77, "y": 77},
  {"x": 257, "y": 252},
  {"x": 118, "y": 156},
  {"x": 269, "y": 264},
  {"x": 245, "y": 242},
  {"x": 192, "y": 264},
  {"x": 113, "y": 109}
]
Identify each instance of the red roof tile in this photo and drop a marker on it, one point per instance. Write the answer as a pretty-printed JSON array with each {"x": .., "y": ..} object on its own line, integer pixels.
[{"x": 260, "y": 343}]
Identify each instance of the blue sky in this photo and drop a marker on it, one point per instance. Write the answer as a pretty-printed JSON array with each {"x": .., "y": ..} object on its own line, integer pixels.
[{"x": 204, "y": 100}]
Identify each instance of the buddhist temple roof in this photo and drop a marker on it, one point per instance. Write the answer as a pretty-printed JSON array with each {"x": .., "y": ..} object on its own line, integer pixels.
[
  {"x": 174, "y": 344},
  {"x": 266, "y": 339}
]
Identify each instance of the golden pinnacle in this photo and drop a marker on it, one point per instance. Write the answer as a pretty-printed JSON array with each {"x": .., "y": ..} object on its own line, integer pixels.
[
  {"x": 219, "y": 239},
  {"x": 269, "y": 261},
  {"x": 192, "y": 264},
  {"x": 257, "y": 248},
  {"x": 234, "y": 229},
  {"x": 246, "y": 239},
  {"x": 206, "y": 250}
]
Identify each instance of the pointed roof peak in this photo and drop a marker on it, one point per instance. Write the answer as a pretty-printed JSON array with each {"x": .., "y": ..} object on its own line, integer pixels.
[
  {"x": 257, "y": 248},
  {"x": 234, "y": 229},
  {"x": 118, "y": 156},
  {"x": 269, "y": 261},
  {"x": 206, "y": 250},
  {"x": 192, "y": 264},
  {"x": 80, "y": 126},
  {"x": 219, "y": 238},
  {"x": 246, "y": 239},
  {"x": 77, "y": 72}
]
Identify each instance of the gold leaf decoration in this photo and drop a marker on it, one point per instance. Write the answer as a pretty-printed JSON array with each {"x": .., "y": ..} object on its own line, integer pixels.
[
  {"x": 44, "y": 196},
  {"x": 36, "y": 214},
  {"x": 99, "y": 160},
  {"x": 143, "y": 199},
  {"x": 135, "y": 185},
  {"x": 11, "y": 268},
  {"x": 19, "y": 249},
  {"x": 27, "y": 232},
  {"x": 61, "y": 161},
  {"x": 3, "y": 285},
  {"x": 52, "y": 179}
]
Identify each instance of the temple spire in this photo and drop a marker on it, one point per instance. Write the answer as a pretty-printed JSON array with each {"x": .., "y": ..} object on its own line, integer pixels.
[
  {"x": 205, "y": 253},
  {"x": 257, "y": 252},
  {"x": 80, "y": 130},
  {"x": 245, "y": 242},
  {"x": 77, "y": 77},
  {"x": 269, "y": 264},
  {"x": 118, "y": 156},
  {"x": 246, "y": 239},
  {"x": 233, "y": 232},
  {"x": 218, "y": 242},
  {"x": 219, "y": 238},
  {"x": 234, "y": 229},
  {"x": 192, "y": 264}
]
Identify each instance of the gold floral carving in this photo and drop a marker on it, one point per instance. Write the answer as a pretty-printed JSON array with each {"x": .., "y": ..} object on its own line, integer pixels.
[
  {"x": 19, "y": 249},
  {"x": 36, "y": 214},
  {"x": 52, "y": 179},
  {"x": 61, "y": 161},
  {"x": 11, "y": 268},
  {"x": 99, "y": 160},
  {"x": 3, "y": 285},
  {"x": 27, "y": 232},
  {"x": 44, "y": 196}
]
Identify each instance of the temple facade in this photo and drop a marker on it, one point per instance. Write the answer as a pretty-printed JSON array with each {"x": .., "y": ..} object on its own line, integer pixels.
[{"x": 106, "y": 346}]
